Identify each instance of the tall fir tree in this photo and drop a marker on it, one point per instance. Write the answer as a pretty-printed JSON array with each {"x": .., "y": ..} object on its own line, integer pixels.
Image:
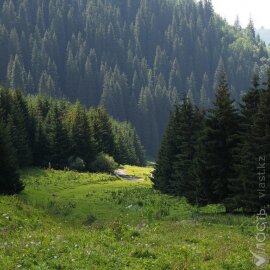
[
  {"x": 82, "y": 142},
  {"x": 262, "y": 139},
  {"x": 10, "y": 182},
  {"x": 217, "y": 142},
  {"x": 102, "y": 130},
  {"x": 57, "y": 137},
  {"x": 40, "y": 145},
  {"x": 128, "y": 148},
  {"x": 17, "y": 124},
  {"x": 163, "y": 174},
  {"x": 243, "y": 185},
  {"x": 183, "y": 165}
]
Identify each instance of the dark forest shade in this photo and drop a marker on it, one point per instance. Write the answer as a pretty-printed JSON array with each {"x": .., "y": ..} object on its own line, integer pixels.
[
  {"x": 134, "y": 57},
  {"x": 9, "y": 178}
]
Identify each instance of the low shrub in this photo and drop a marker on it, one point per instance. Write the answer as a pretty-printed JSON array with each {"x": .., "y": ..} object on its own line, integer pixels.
[
  {"x": 104, "y": 163},
  {"x": 76, "y": 163}
]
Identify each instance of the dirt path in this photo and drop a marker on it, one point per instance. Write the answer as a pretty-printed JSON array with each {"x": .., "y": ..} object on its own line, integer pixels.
[{"x": 122, "y": 173}]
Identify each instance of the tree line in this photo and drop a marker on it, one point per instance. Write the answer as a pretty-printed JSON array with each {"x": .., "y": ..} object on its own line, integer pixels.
[
  {"x": 135, "y": 57},
  {"x": 42, "y": 131},
  {"x": 221, "y": 155}
]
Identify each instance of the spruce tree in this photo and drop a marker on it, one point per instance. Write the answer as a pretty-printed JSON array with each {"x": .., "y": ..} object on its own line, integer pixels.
[
  {"x": 139, "y": 149},
  {"x": 5, "y": 104},
  {"x": 40, "y": 145},
  {"x": 82, "y": 142},
  {"x": 261, "y": 133},
  {"x": 217, "y": 142},
  {"x": 102, "y": 130},
  {"x": 46, "y": 85},
  {"x": 17, "y": 124},
  {"x": 183, "y": 165},
  {"x": 16, "y": 74},
  {"x": 163, "y": 174},
  {"x": 57, "y": 137},
  {"x": 128, "y": 148},
  {"x": 9, "y": 178},
  {"x": 243, "y": 185}
]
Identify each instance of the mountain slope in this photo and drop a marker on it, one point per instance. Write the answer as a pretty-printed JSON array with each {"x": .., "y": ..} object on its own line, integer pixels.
[{"x": 136, "y": 57}]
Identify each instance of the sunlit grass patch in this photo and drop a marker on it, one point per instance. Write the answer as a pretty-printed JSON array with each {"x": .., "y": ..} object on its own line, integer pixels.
[{"x": 140, "y": 172}]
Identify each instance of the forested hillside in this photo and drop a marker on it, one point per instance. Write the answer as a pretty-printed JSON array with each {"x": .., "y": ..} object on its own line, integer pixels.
[{"x": 136, "y": 57}]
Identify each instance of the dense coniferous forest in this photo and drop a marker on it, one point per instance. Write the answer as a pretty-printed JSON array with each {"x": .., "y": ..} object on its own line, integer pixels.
[
  {"x": 131, "y": 132},
  {"x": 135, "y": 57},
  {"x": 221, "y": 155},
  {"x": 41, "y": 131}
]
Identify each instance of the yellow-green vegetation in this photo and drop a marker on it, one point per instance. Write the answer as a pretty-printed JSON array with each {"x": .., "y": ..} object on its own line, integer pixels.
[
  {"x": 140, "y": 172},
  {"x": 69, "y": 220}
]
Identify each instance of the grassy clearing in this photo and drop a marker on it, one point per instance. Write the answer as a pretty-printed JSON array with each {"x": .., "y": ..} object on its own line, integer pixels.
[
  {"x": 68, "y": 220},
  {"x": 139, "y": 172}
]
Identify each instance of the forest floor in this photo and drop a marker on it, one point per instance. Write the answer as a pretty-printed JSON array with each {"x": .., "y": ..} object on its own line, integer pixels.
[{"x": 69, "y": 220}]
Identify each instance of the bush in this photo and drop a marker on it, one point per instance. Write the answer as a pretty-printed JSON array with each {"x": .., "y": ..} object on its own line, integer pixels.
[
  {"x": 104, "y": 163},
  {"x": 76, "y": 163}
]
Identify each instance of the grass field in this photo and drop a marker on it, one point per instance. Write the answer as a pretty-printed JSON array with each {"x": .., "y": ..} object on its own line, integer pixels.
[{"x": 68, "y": 220}]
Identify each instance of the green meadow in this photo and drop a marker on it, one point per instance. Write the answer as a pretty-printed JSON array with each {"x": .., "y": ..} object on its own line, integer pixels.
[{"x": 70, "y": 220}]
